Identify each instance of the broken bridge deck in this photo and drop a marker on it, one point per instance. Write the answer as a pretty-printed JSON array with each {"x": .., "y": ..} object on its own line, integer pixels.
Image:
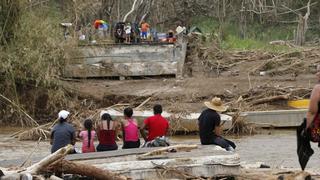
[
  {"x": 205, "y": 161},
  {"x": 128, "y": 60}
]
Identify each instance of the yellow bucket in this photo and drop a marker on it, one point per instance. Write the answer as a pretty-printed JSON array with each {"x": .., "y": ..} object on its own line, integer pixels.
[{"x": 300, "y": 104}]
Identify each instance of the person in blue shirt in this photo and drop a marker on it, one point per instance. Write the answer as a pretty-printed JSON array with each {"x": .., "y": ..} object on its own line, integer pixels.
[{"x": 62, "y": 133}]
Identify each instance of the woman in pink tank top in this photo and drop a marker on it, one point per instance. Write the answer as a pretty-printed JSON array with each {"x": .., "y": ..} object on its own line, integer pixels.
[{"x": 130, "y": 130}]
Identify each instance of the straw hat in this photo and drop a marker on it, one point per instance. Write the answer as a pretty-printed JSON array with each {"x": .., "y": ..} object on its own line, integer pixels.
[{"x": 215, "y": 104}]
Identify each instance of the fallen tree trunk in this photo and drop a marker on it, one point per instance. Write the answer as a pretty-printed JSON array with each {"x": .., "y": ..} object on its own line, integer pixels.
[
  {"x": 54, "y": 162},
  {"x": 36, "y": 168},
  {"x": 44, "y": 163},
  {"x": 70, "y": 167}
]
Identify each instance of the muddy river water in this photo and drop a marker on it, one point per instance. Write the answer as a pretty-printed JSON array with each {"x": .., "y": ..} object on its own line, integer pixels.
[{"x": 276, "y": 148}]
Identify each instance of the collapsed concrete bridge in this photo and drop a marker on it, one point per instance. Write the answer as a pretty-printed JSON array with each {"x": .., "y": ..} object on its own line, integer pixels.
[{"x": 127, "y": 60}]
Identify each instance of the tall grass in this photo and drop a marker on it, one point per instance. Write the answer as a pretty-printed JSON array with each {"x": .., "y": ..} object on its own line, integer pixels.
[
  {"x": 234, "y": 42},
  {"x": 256, "y": 36},
  {"x": 9, "y": 14},
  {"x": 31, "y": 62},
  {"x": 37, "y": 51}
]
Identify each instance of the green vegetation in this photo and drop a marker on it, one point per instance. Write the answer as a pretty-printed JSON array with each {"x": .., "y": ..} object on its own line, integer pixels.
[
  {"x": 207, "y": 25},
  {"x": 255, "y": 36},
  {"x": 234, "y": 42},
  {"x": 32, "y": 58},
  {"x": 37, "y": 47}
]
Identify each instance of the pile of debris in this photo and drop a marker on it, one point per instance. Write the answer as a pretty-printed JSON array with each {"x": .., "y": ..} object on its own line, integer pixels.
[
  {"x": 56, "y": 164},
  {"x": 261, "y": 96},
  {"x": 213, "y": 59},
  {"x": 295, "y": 62}
]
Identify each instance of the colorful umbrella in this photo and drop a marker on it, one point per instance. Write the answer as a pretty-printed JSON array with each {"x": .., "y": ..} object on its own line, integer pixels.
[{"x": 99, "y": 23}]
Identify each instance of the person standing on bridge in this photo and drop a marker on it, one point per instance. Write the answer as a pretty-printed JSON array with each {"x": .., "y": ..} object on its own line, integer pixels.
[
  {"x": 210, "y": 127},
  {"x": 127, "y": 29},
  {"x": 144, "y": 30}
]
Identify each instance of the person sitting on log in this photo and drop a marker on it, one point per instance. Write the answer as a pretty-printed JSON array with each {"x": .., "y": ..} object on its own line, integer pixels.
[
  {"x": 210, "y": 127},
  {"x": 130, "y": 130},
  {"x": 157, "y": 127},
  {"x": 87, "y": 136},
  {"x": 107, "y": 131},
  {"x": 62, "y": 133}
]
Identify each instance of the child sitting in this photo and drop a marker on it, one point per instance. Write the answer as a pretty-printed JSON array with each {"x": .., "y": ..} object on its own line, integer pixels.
[{"x": 87, "y": 136}]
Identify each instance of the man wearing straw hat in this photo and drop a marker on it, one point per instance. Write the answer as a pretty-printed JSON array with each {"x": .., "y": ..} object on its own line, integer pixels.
[{"x": 210, "y": 125}]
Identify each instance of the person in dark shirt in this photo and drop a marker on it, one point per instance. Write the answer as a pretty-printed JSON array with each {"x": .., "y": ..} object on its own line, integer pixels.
[
  {"x": 210, "y": 125},
  {"x": 62, "y": 133}
]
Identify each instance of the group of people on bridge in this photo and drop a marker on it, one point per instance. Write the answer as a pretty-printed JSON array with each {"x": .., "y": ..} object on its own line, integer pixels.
[{"x": 130, "y": 32}]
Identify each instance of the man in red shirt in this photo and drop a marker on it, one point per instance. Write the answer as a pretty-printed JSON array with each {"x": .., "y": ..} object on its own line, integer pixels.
[{"x": 156, "y": 125}]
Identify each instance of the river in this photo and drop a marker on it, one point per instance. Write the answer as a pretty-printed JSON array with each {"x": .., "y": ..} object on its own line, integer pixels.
[{"x": 276, "y": 148}]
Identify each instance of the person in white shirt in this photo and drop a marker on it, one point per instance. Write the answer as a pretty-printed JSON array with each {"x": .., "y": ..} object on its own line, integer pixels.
[{"x": 127, "y": 29}]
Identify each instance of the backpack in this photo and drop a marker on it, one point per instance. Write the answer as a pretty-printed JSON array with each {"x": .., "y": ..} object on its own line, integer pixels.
[{"x": 119, "y": 30}]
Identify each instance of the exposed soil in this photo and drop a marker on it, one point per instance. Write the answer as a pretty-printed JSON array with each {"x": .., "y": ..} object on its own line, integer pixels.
[
  {"x": 210, "y": 71},
  {"x": 245, "y": 80}
]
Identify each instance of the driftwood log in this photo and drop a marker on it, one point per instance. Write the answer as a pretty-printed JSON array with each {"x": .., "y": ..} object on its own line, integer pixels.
[
  {"x": 183, "y": 174},
  {"x": 56, "y": 163},
  {"x": 44, "y": 163},
  {"x": 69, "y": 167},
  {"x": 175, "y": 148},
  {"x": 35, "y": 169}
]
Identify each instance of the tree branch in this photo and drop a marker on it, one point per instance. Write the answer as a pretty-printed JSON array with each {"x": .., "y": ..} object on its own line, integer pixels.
[{"x": 132, "y": 9}]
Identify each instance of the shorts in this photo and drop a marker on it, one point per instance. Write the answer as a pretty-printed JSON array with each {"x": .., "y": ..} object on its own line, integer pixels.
[
  {"x": 144, "y": 34},
  {"x": 104, "y": 147},
  {"x": 131, "y": 144}
]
